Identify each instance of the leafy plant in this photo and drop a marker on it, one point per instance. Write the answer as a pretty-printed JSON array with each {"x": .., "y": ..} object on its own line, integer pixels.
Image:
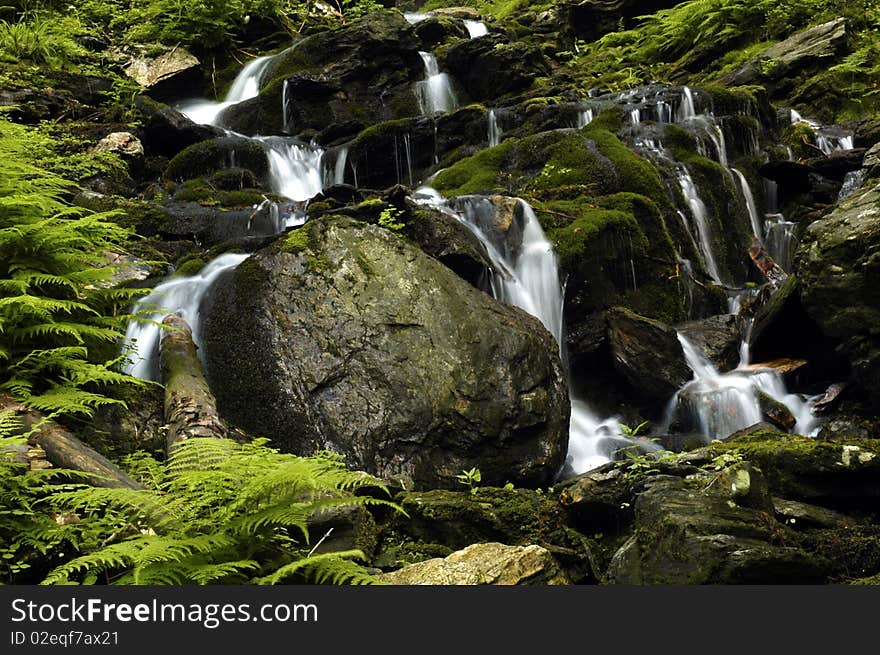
[
  {"x": 470, "y": 479},
  {"x": 216, "y": 512},
  {"x": 388, "y": 219}
]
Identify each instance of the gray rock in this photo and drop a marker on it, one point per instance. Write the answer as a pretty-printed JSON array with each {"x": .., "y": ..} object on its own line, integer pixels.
[
  {"x": 717, "y": 337},
  {"x": 839, "y": 265},
  {"x": 354, "y": 340},
  {"x": 125, "y": 144},
  {"x": 648, "y": 354}
]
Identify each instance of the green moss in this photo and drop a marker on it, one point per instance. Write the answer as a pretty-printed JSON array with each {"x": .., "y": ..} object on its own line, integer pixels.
[
  {"x": 197, "y": 190},
  {"x": 296, "y": 241},
  {"x": 189, "y": 266},
  {"x": 481, "y": 172},
  {"x": 242, "y": 198},
  {"x": 572, "y": 241}
]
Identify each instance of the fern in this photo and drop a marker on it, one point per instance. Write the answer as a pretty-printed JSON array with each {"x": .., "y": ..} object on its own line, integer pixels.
[
  {"x": 218, "y": 512},
  {"x": 57, "y": 306}
]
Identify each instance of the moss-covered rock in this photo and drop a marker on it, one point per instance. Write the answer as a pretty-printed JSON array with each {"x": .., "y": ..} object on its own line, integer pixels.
[{"x": 209, "y": 157}]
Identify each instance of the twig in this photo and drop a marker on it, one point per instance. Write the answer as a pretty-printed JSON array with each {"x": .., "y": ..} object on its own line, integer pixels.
[{"x": 320, "y": 541}]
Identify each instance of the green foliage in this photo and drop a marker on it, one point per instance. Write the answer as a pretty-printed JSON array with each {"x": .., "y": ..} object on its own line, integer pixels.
[
  {"x": 57, "y": 307},
  {"x": 216, "y": 513},
  {"x": 41, "y": 39},
  {"x": 388, "y": 219},
  {"x": 297, "y": 241},
  {"x": 470, "y": 479}
]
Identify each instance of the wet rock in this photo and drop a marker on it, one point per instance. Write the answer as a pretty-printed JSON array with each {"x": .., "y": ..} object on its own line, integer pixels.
[
  {"x": 341, "y": 316},
  {"x": 490, "y": 68},
  {"x": 490, "y": 563},
  {"x": 871, "y": 163},
  {"x": 207, "y": 157},
  {"x": 804, "y": 515},
  {"x": 356, "y": 75},
  {"x": 647, "y": 354},
  {"x": 435, "y": 30},
  {"x": 838, "y": 263},
  {"x": 775, "y": 412},
  {"x": 165, "y": 131},
  {"x": 717, "y": 337},
  {"x": 694, "y": 532}
]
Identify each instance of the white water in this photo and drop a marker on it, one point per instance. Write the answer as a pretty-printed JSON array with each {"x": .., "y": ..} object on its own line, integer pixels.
[
  {"x": 851, "y": 183},
  {"x": 295, "y": 169},
  {"x": 779, "y": 240},
  {"x": 413, "y": 18},
  {"x": 826, "y": 139},
  {"x": 584, "y": 118},
  {"x": 476, "y": 28},
  {"x": 182, "y": 295},
  {"x": 495, "y": 130},
  {"x": 245, "y": 87},
  {"x": 701, "y": 218},
  {"x": 686, "y": 108},
  {"x": 754, "y": 217},
  {"x": 721, "y": 404},
  {"x": 434, "y": 93}
]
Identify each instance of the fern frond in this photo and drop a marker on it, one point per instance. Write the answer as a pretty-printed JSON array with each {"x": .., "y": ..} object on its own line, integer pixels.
[{"x": 333, "y": 568}]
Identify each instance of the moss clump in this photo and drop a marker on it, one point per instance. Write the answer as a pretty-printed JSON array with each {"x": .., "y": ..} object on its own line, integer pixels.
[
  {"x": 297, "y": 241},
  {"x": 207, "y": 157},
  {"x": 481, "y": 172},
  {"x": 189, "y": 266},
  {"x": 197, "y": 190},
  {"x": 574, "y": 240},
  {"x": 242, "y": 198},
  {"x": 234, "y": 179}
]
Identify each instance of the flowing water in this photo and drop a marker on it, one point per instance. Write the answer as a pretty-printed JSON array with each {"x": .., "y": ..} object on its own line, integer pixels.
[
  {"x": 754, "y": 217},
  {"x": 495, "y": 131},
  {"x": 245, "y": 87},
  {"x": 476, "y": 28},
  {"x": 701, "y": 219},
  {"x": 180, "y": 294},
  {"x": 434, "y": 93}
]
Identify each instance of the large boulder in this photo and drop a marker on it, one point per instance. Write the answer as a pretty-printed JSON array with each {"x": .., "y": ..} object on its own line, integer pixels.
[
  {"x": 165, "y": 131},
  {"x": 838, "y": 266},
  {"x": 173, "y": 72},
  {"x": 489, "y": 67},
  {"x": 346, "y": 337},
  {"x": 337, "y": 81}
]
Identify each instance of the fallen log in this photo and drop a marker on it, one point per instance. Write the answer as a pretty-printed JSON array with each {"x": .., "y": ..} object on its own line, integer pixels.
[
  {"x": 190, "y": 407},
  {"x": 766, "y": 264},
  {"x": 64, "y": 450}
]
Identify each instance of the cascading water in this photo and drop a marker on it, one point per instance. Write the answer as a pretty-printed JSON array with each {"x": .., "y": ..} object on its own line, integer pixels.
[
  {"x": 584, "y": 118},
  {"x": 476, "y": 28},
  {"x": 720, "y": 404},
  {"x": 180, "y": 294},
  {"x": 434, "y": 93},
  {"x": 780, "y": 240},
  {"x": 495, "y": 131},
  {"x": 295, "y": 169},
  {"x": 245, "y": 86},
  {"x": 528, "y": 278},
  {"x": 686, "y": 109},
  {"x": 701, "y": 218},
  {"x": 754, "y": 217}
]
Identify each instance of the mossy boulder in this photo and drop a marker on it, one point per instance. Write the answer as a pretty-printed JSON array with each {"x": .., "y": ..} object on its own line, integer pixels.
[
  {"x": 362, "y": 344},
  {"x": 490, "y": 68},
  {"x": 838, "y": 266},
  {"x": 344, "y": 78},
  {"x": 227, "y": 152}
]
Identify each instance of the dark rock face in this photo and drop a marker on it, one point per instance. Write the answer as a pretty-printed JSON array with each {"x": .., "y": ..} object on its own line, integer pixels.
[
  {"x": 592, "y": 20},
  {"x": 349, "y": 77},
  {"x": 489, "y": 68},
  {"x": 165, "y": 131},
  {"x": 224, "y": 152},
  {"x": 839, "y": 265},
  {"x": 717, "y": 337},
  {"x": 355, "y": 341},
  {"x": 647, "y": 354}
]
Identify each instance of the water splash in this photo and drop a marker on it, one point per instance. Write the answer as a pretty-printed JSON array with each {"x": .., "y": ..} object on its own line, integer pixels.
[
  {"x": 434, "y": 93},
  {"x": 476, "y": 28},
  {"x": 295, "y": 169},
  {"x": 852, "y": 182},
  {"x": 754, "y": 217},
  {"x": 701, "y": 219}
]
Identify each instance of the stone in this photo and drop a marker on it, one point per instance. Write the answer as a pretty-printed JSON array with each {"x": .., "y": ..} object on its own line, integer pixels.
[
  {"x": 480, "y": 564},
  {"x": 165, "y": 131},
  {"x": 358, "y": 342},
  {"x": 172, "y": 73},
  {"x": 647, "y": 354},
  {"x": 490, "y": 68},
  {"x": 871, "y": 163},
  {"x": 838, "y": 265},
  {"x": 717, "y": 337},
  {"x": 804, "y": 515},
  {"x": 125, "y": 144}
]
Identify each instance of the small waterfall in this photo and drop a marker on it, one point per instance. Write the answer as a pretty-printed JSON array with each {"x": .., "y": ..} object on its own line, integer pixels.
[
  {"x": 754, "y": 217},
  {"x": 584, "y": 118},
  {"x": 295, "y": 168},
  {"x": 285, "y": 109},
  {"x": 495, "y": 131},
  {"x": 181, "y": 294},
  {"x": 828, "y": 139},
  {"x": 635, "y": 116},
  {"x": 721, "y": 404},
  {"x": 701, "y": 218},
  {"x": 434, "y": 93},
  {"x": 780, "y": 240},
  {"x": 686, "y": 109},
  {"x": 413, "y": 18},
  {"x": 476, "y": 28},
  {"x": 529, "y": 279},
  {"x": 245, "y": 86},
  {"x": 851, "y": 183}
]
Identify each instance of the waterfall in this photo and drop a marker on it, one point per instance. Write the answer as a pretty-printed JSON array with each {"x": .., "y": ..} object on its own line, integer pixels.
[
  {"x": 584, "y": 118},
  {"x": 495, "y": 131},
  {"x": 528, "y": 278},
  {"x": 179, "y": 294},
  {"x": 828, "y": 139},
  {"x": 721, "y": 404},
  {"x": 476, "y": 28},
  {"x": 780, "y": 239},
  {"x": 701, "y": 218},
  {"x": 413, "y": 18},
  {"x": 434, "y": 93},
  {"x": 245, "y": 86},
  {"x": 750, "y": 203},
  {"x": 294, "y": 168},
  {"x": 686, "y": 109}
]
